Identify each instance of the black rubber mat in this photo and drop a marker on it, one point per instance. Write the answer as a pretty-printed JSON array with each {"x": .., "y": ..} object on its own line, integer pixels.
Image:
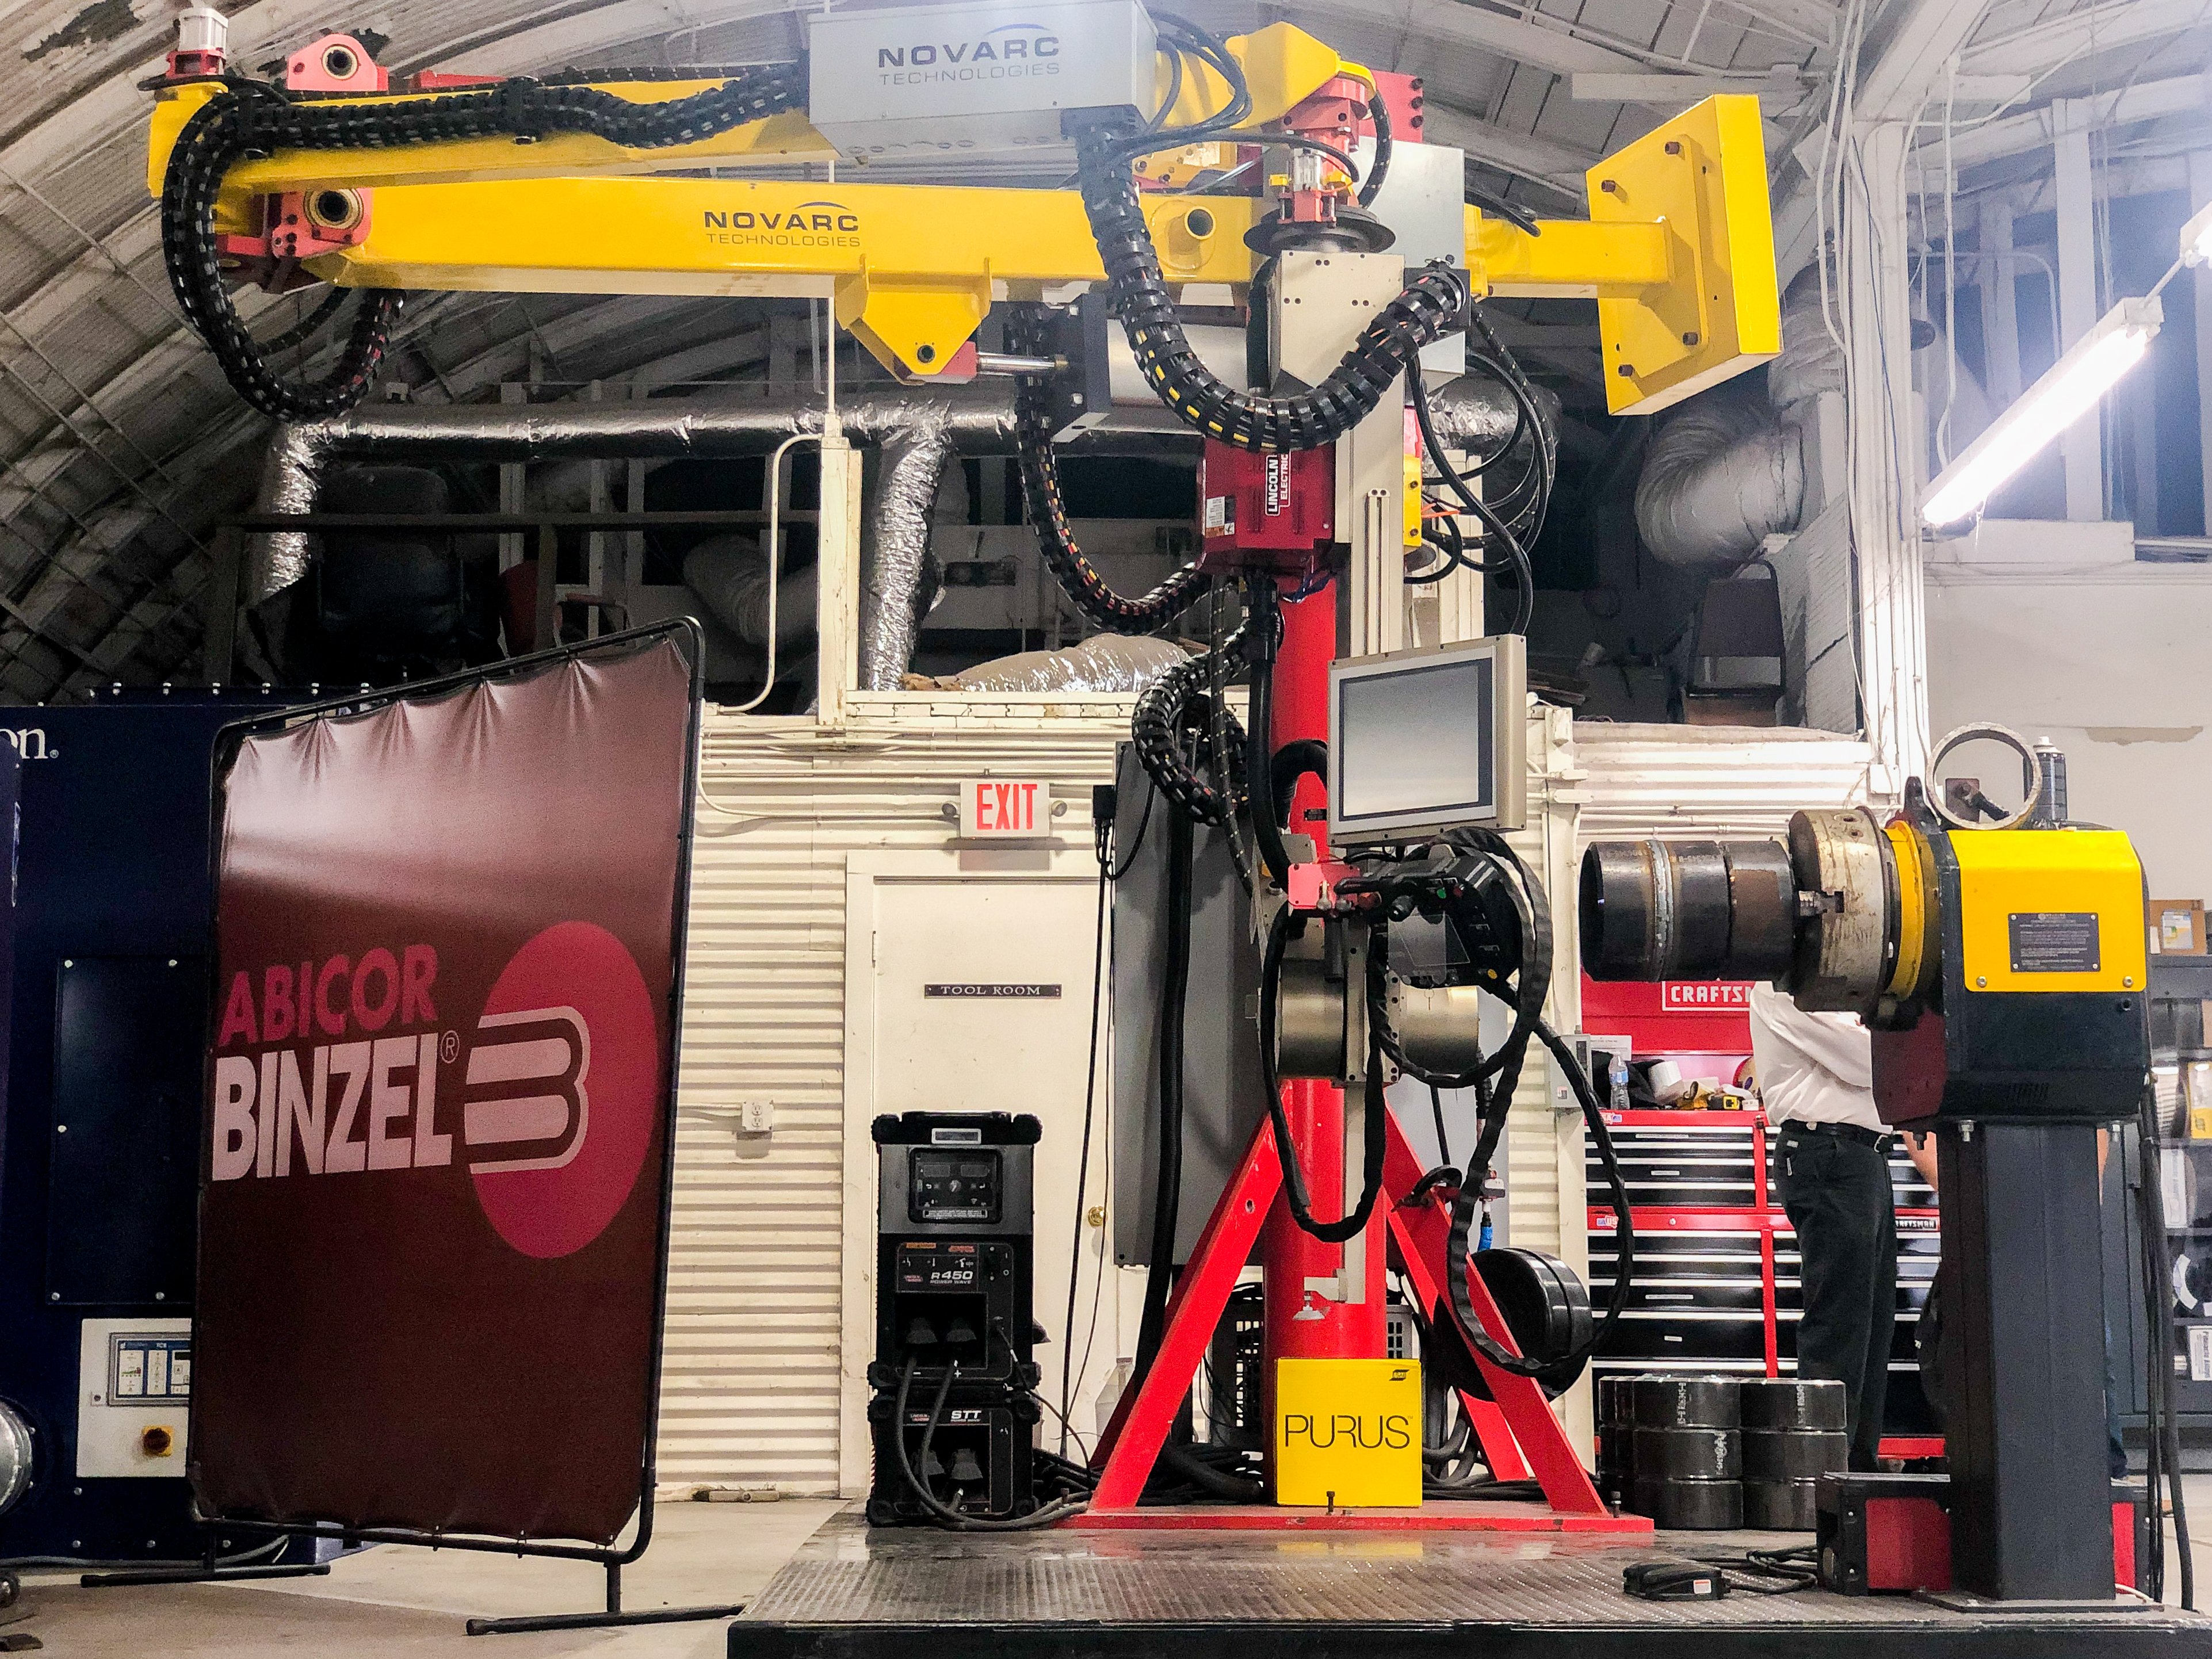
[{"x": 855, "y": 1593}]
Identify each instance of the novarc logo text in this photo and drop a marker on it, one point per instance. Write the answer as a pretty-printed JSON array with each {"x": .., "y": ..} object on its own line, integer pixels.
[{"x": 1008, "y": 43}]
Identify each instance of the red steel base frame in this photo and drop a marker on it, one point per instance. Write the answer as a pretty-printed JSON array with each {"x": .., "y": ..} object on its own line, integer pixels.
[{"x": 1519, "y": 1433}]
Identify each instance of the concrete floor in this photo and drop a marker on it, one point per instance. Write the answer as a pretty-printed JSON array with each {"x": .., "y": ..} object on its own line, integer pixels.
[{"x": 410, "y": 1603}]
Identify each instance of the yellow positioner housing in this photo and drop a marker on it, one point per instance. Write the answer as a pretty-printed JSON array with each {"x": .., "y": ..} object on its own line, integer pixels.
[{"x": 2049, "y": 910}]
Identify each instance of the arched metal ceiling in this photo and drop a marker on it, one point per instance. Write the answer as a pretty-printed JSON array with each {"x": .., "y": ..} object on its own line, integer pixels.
[{"x": 120, "y": 445}]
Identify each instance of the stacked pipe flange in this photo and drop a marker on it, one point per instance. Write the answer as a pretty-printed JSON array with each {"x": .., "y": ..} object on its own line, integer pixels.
[{"x": 1793, "y": 1434}]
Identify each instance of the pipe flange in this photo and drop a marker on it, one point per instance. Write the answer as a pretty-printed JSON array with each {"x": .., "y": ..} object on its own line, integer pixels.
[{"x": 1844, "y": 874}]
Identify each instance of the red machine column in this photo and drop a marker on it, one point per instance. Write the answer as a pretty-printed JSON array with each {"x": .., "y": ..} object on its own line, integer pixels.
[{"x": 1302, "y": 1324}]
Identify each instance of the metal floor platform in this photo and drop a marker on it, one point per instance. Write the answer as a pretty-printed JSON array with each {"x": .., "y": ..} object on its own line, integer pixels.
[{"x": 854, "y": 1592}]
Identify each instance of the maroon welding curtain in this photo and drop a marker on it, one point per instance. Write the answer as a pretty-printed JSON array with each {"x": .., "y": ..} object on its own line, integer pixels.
[{"x": 440, "y": 1103}]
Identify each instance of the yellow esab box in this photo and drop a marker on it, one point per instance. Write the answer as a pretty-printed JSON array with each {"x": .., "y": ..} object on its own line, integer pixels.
[{"x": 1348, "y": 1432}]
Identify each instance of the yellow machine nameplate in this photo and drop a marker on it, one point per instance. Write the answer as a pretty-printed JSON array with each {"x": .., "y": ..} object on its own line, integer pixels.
[
  {"x": 1348, "y": 1433},
  {"x": 2049, "y": 910}
]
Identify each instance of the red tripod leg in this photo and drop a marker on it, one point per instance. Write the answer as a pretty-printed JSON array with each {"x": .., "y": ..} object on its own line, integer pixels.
[
  {"x": 1141, "y": 1421},
  {"x": 1419, "y": 1231}
]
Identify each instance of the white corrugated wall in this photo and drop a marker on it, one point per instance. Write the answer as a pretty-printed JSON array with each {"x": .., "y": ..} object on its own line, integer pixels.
[
  {"x": 1685, "y": 781},
  {"x": 749, "y": 1392}
]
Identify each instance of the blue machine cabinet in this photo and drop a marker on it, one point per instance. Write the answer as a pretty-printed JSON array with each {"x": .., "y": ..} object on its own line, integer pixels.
[{"x": 103, "y": 981}]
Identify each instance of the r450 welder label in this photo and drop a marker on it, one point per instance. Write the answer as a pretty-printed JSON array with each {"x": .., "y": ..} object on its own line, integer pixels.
[{"x": 939, "y": 1268}]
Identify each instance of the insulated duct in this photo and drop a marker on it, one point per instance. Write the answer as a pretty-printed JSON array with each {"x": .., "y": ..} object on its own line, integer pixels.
[
  {"x": 1728, "y": 469},
  {"x": 910, "y": 464},
  {"x": 919, "y": 431},
  {"x": 1120, "y": 663},
  {"x": 1720, "y": 478},
  {"x": 731, "y": 579}
]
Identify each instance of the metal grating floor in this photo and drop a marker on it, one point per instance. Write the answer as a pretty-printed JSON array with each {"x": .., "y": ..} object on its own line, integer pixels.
[{"x": 850, "y": 1575}]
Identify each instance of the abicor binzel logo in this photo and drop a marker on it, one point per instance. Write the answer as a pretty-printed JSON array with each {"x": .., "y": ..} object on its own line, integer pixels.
[
  {"x": 558, "y": 1090},
  {"x": 527, "y": 1108}
]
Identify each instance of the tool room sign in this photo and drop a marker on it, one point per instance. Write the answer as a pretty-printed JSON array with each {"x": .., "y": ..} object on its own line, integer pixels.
[{"x": 440, "y": 1099}]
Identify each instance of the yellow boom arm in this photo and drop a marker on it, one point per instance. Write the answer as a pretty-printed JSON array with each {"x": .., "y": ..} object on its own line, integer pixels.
[{"x": 1678, "y": 252}]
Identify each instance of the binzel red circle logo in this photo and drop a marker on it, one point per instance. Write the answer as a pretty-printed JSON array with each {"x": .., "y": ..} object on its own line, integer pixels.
[{"x": 560, "y": 1091}]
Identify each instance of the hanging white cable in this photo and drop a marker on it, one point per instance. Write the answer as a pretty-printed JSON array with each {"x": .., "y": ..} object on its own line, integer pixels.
[{"x": 1950, "y": 270}]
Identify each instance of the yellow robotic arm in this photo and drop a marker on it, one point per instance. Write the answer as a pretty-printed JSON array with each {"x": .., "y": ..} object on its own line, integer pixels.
[{"x": 1678, "y": 251}]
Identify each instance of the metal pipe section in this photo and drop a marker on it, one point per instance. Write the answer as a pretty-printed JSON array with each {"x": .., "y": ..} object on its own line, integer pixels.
[{"x": 1688, "y": 910}]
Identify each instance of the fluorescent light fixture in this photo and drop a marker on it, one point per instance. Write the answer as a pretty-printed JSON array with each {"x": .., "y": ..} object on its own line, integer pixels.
[
  {"x": 2196, "y": 239},
  {"x": 2067, "y": 390}
]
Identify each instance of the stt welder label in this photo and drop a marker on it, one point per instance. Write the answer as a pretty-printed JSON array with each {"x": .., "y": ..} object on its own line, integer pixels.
[{"x": 2054, "y": 942}]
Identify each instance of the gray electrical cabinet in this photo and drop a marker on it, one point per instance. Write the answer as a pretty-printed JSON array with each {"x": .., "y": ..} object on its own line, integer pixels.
[{"x": 1224, "y": 1101}]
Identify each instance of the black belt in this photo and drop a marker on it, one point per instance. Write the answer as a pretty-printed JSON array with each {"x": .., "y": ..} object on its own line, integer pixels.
[{"x": 1880, "y": 1141}]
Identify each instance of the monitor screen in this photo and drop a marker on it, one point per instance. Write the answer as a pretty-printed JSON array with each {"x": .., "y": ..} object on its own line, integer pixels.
[{"x": 1420, "y": 742}]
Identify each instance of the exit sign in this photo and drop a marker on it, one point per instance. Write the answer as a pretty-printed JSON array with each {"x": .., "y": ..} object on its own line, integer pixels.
[{"x": 1005, "y": 809}]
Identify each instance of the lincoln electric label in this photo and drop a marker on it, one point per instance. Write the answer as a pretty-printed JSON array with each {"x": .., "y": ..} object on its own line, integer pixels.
[{"x": 2054, "y": 941}]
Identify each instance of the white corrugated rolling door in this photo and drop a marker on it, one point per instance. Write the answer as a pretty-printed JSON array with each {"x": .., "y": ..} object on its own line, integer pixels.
[
  {"x": 750, "y": 1391},
  {"x": 1679, "y": 783},
  {"x": 1547, "y": 846}
]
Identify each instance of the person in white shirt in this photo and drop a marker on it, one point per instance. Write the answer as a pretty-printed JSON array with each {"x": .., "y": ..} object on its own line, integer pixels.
[{"x": 1815, "y": 1077}]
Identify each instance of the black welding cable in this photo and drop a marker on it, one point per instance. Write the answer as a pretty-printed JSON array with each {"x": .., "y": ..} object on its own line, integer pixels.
[
  {"x": 1179, "y": 1459},
  {"x": 1378, "y": 112},
  {"x": 1167, "y": 1189},
  {"x": 1220, "y": 723},
  {"x": 2150, "y": 1250},
  {"x": 1519, "y": 217},
  {"x": 1263, "y": 637},
  {"x": 1467, "y": 1207},
  {"x": 939, "y": 1512},
  {"x": 1295, "y": 1194},
  {"x": 2162, "y": 1447},
  {"x": 1523, "y": 573}
]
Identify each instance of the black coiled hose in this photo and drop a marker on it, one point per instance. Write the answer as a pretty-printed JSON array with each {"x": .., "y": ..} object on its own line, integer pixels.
[
  {"x": 1434, "y": 304},
  {"x": 253, "y": 118},
  {"x": 1172, "y": 728},
  {"x": 1040, "y": 472}
]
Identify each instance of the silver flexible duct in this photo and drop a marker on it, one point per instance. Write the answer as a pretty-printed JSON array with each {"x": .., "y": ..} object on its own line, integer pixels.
[
  {"x": 1728, "y": 470},
  {"x": 291, "y": 476},
  {"x": 909, "y": 465},
  {"x": 918, "y": 431},
  {"x": 1718, "y": 478},
  {"x": 969, "y": 421}
]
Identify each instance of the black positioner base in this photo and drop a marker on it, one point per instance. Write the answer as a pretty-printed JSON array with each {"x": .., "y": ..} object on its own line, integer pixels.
[{"x": 853, "y": 1592}]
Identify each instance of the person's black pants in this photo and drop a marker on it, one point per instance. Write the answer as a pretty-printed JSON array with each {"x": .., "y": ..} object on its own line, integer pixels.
[{"x": 1838, "y": 1199}]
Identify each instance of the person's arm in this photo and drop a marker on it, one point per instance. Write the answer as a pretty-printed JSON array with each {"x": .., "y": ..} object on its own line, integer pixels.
[
  {"x": 1921, "y": 1149},
  {"x": 1839, "y": 1046}
]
